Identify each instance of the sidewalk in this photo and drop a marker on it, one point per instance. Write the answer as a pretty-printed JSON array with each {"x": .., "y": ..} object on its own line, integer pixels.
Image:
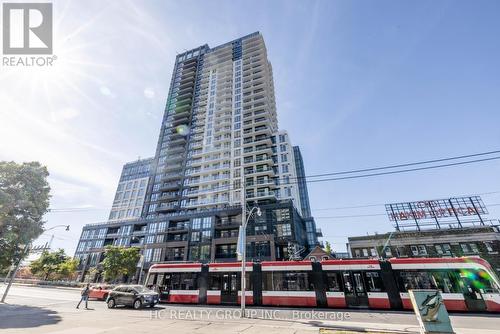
[{"x": 3, "y": 285}]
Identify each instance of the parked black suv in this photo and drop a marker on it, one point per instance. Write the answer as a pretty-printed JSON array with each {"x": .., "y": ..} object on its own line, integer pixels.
[{"x": 136, "y": 296}]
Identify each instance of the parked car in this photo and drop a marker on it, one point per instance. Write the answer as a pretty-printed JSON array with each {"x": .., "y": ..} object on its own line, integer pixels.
[
  {"x": 100, "y": 292},
  {"x": 136, "y": 296}
]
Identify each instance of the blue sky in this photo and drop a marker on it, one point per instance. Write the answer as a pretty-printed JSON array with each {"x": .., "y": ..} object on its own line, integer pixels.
[{"x": 358, "y": 84}]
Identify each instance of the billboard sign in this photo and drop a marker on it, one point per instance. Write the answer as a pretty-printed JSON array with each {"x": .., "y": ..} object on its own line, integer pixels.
[{"x": 456, "y": 209}]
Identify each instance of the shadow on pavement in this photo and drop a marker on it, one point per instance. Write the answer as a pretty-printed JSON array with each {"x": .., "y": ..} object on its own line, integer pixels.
[
  {"x": 142, "y": 309},
  {"x": 23, "y": 316}
]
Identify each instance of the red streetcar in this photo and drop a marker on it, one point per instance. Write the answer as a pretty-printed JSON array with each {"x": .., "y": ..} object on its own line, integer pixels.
[{"x": 466, "y": 283}]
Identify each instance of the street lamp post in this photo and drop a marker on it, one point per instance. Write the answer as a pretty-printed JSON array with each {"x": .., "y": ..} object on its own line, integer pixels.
[
  {"x": 243, "y": 243},
  {"x": 53, "y": 227},
  {"x": 25, "y": 252}
]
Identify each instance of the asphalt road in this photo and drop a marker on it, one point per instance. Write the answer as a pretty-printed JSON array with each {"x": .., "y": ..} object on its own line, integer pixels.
[{"x": 50, "y": 310}]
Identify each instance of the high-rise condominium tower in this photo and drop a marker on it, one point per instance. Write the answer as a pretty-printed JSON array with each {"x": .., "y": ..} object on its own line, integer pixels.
[
  {"x": 219, "y": 143},
  {"x": 217, "y": 131}
]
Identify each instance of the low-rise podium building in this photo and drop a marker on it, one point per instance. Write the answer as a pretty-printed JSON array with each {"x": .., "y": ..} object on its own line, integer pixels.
[{"x": 482, "y": 241}]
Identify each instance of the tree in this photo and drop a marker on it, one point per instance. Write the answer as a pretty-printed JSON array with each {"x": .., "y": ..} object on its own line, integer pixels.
[
  {"x": 119, "y": 262},
  {"x": 328, "y": 248},
  {"x": 24, "y": 199},
  {"x": 54, "y": 265},
  {"x": 91, "y": 275},
  {"x": 67, "y": 269}
]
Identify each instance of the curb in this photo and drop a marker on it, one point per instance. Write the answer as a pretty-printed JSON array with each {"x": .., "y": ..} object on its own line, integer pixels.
[
  {"x": 355, "y": 330},
  {"x": 48, "y": 286}
]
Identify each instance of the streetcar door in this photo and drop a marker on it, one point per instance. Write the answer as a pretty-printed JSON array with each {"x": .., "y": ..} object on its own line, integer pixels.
[
  {"x": 473, "y": 297},
  {"x": 355, "y": 289},
  {"x": 164, "y": 282},
  {"x": 229, "y": 288}
]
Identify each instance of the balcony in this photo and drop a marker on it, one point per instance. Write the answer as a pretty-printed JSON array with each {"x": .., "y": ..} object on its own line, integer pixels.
[
  {"x": 178, "y": 228},
  {"x": 227, "y": 234},
  {"x": 176, "y": 148},
  {"x": 189, "y": 78},
  {"x": 171, "y": 176},
  {"x": 139, "y": 232},
  {"x": 182, "y": 108},
  {"x": 137, "y": 243},
  {"x": 226, "y": 224},
  {"x": 176, "y": 139},
  {"x": 259, "y": 171},
  {"x": 172, "y": 167},
  {"x": 168, "y": 206},
  {"x": 261, "y": 194},
  {"x": 175, "y": 157},
  {"x": 170, "y": 186},
  {"x": 177, "y": 237},
  {"x": 185, "y": 94},
  {"x": 170, "y": 195},
  {"x": 265, "y": 159},
  {"x": 206, "y": 202},
  {"x": 180, "y": 120},
  {"x": 261, "y": 183},
  {"x": 263, "y": 139},
  {"x": 185, "y": 86}
]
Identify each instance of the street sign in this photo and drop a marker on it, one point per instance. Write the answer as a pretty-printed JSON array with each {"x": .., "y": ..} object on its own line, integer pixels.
[{"x": 430, "y": 311}]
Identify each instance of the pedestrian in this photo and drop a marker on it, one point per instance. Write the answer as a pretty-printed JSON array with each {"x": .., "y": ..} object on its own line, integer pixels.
[{"x": 85, "y": 296}]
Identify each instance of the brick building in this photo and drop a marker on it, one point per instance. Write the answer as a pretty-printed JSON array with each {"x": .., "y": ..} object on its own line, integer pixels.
[{"x": 483, "y": 241}]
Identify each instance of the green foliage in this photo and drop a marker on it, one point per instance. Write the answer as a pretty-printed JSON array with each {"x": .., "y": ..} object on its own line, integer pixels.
[
  {"x": 91, "y": 275},
  {"x": 67, "y": 269},
  {"x": 328, "y": 247},
  {"x": 54, "y": 265},
  {"x": 24, "y": 199},
  {"x": 120, "y": 261}
]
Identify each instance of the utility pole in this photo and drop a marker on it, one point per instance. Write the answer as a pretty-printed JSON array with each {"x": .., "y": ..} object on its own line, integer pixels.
[
  {"x": 386, "y": 243},
  {"x": 50, "y": 242},
  {"x": 143, "y": 259},
  {"x": 11, "y": 280},
  {"x": 25, "y": 252},
  {"x": 244, "y": 243}
]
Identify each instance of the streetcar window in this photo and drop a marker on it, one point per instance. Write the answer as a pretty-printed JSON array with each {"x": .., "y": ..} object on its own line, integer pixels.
[
  {"x": 159, "y": 279},
  {"x": 415, "y": 280},
  {"x": 445, "y": 281},
  {"x": 248, "y": 281},
  {"x": 478, "y": 280},
  {"x": 348, "y": 286},
  {"x": 373, "y": 281},
  {"x": 333, "y": 281},
  {"x": 359, "y": 283},
  {"x": 151, "y": 279},
  {"x": 183, "y": 281},
  {"x": 286, "y": 281},
  {"x": 214, "y": 282}
]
